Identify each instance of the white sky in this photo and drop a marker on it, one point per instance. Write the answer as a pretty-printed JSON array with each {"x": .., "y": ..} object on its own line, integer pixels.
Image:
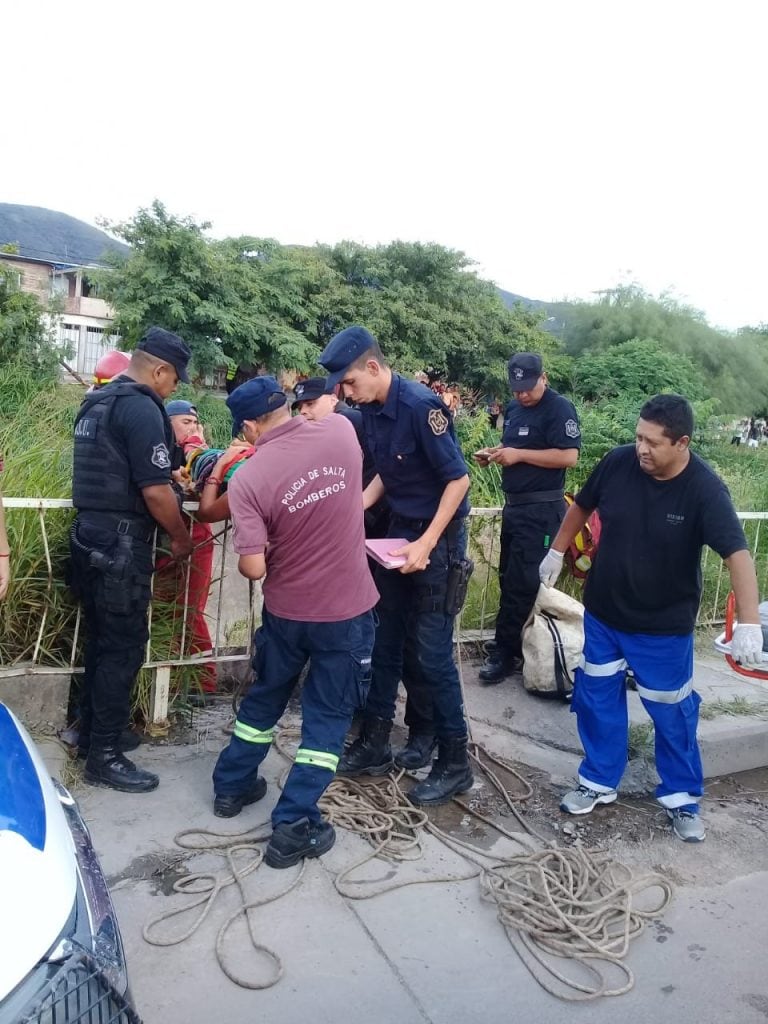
[{"x": 565, "y": 146}]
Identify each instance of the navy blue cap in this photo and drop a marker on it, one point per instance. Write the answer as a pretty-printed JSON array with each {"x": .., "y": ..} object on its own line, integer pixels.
[
  {"x": 254, "y": 398},
  {"x": 344, "y": 349},
  {"x": 310, "y": 389},
  {"x": 178, "y": 407},
  {"x": 524, "y": 368},
  {"x": 168, "y": 347}
]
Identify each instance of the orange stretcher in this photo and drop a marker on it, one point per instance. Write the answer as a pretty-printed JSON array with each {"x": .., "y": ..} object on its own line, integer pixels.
[{"x": 723, "y": 644}]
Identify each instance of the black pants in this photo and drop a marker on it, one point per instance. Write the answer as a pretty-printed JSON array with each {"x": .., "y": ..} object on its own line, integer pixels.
[
  {"x": 115, "y": 616},
  {"x": 526, "y": 534}
]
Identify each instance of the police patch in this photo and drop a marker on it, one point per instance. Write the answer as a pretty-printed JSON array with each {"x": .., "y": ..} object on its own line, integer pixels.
[
  {"x": 160, "y": 457},
  {"x": 438, "y": 422},
  {"x": 572, "y": 428}
]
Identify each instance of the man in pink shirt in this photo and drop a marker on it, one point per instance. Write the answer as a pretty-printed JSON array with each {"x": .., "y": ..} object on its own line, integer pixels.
[{"x": 297, "y": 510}]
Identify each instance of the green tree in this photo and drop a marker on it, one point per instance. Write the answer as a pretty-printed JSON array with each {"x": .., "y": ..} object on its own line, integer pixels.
[{"x": 25, "y": 332}]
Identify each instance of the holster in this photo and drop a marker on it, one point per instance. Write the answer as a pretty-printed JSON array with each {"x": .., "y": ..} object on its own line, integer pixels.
[{"x": 459, "y": 573}]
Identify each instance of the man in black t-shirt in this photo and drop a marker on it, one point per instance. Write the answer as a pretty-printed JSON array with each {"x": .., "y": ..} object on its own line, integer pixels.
[
  {"x": 659, "y": 505},
  {"x": 540, "y": 440}
]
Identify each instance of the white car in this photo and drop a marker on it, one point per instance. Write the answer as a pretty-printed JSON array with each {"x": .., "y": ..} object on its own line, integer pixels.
[{"x": 61, "y": 954}]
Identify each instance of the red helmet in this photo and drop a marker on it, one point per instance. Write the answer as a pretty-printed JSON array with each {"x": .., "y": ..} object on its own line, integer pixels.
[{"x": 109, "y": 366}]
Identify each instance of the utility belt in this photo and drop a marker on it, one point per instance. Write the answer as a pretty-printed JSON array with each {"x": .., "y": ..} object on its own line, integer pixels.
[
  {"x": 139, "y": 529},
  {"x": 448, "y": 595},
  {"x": 124, "y": 579},
  {"x": 532, "y": 497}
]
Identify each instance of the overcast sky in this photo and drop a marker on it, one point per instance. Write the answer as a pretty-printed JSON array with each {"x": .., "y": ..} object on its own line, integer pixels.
[{"x": 564, "y": 146}]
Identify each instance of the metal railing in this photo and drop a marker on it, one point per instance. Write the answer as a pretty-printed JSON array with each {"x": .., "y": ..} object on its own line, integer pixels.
[{"x": 477, "y": 622}]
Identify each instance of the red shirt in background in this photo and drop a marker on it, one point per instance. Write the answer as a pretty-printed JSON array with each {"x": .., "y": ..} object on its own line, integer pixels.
[{"x": 301, "y": 494}]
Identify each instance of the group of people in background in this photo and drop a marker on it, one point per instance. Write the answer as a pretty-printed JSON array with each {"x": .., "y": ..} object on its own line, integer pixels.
[
  {"x": 750, "y": 432},
  {"x": 308, "y": 489}
]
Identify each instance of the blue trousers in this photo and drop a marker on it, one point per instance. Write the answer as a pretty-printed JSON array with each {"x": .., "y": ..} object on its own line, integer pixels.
[
  {"x": 339, "y": 654},
  {"x": 663, "y": 668},
  {"x": 413, "y": 625}
]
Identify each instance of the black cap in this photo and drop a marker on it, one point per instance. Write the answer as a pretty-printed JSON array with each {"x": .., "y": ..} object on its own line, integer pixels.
[
  {"x": 310, "y": 389},
  {"x": 168, "y": 347},
  {"x": 342, "y": 350},
  {"x": 524, "y": 368}
]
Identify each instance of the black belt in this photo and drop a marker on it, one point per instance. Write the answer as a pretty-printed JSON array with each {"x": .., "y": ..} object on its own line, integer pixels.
[
  {"x": 137, "y": 528},
  {"x": 450, "y": 532},
  {"x": 532, "y": 497}
]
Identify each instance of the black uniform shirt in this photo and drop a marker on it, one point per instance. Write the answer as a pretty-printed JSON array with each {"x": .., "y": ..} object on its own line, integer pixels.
[
  {"x": 551, "y": 423},
  {"x": 141, "y": 427},
  {"x": 646, "y": 574},
  {"x": 414, "y": 448}
]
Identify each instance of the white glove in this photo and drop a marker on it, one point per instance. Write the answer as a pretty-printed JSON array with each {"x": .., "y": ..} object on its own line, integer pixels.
[
  {"x": 747, "y": 643},
  {"x": 552, "y": 566}
]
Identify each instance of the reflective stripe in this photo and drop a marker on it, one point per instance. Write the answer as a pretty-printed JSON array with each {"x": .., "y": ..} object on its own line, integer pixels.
[
  {"x": 666, "y": 696},
  {"x": 609, "y": 669},
  {"x": 251, "y": 735},
  {"x": 317, "y": 758}
]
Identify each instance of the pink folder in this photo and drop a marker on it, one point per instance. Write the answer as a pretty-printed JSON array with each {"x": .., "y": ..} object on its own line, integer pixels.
[{"x": 379, "y": 549}]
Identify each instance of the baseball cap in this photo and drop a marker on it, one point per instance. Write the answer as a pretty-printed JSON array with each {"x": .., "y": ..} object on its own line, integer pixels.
[
  {"x": 254, "y": 398},
  {"x": 178, "y": 407},
  {"x": 310, "y": 389},
  {"x": 524, "y": 369},
  {"x": 342, "y": 350},
  {"x": 168, "y": 347}
]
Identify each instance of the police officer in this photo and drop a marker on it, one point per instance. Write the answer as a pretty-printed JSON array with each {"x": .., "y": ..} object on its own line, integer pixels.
[
  {"x": 540, "y": 440},
  {"x": 421, "y": 469},
  {"x": 122, "y": 490}
]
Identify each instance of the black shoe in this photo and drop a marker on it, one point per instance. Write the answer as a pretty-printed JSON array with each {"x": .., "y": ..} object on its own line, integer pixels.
[
  {"x": 290, "y": 843},
  {"x": 498, "y": 667},
  {"x": 129, "y": 740},
  {"x": 108, "y": 766},
  {"x": 490, "y": 647},
  {"x": 370, "y": 753},
  {"x": 229, "y": 806},
  {"x": 450, "y": 775},
  {"x": 418, "y": 751}
]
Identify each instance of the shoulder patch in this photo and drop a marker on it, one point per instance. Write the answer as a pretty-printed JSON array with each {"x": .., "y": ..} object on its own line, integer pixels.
[
  {"x": 160, "y": 457},
  {"x": 572, "y": 428},
  {"x": 438, "y": 422}
]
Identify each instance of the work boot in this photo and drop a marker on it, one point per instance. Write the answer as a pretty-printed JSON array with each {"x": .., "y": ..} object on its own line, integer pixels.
[
  {"x": 498, "y": 666},
  {"x": 417, "y": 753},
  {"x": 370, "y": 753},
  {"x": 129, "y": 740},
  {"x": 302, "y": 838},
  {"x": 108, "y": 766},
  {"x": 229, "y": 806},
  {"x": 450, "y": 774}
]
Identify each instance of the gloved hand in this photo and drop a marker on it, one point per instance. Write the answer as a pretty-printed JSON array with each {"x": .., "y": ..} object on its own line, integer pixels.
[
  {"x": 747, "y": 644},
  {"x": 551, "y": 567}
]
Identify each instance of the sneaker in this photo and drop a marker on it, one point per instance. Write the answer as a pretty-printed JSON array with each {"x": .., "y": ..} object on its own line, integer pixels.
[
  {"x": 687, "y": 825},
  {"x": 583, "y": 800},
  {"x": 290, "y": 843},
  {"x": 230, "y": 806}
]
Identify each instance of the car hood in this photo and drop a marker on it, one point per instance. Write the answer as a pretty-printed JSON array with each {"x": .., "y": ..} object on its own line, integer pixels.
[{"x": 38, "y": 870}]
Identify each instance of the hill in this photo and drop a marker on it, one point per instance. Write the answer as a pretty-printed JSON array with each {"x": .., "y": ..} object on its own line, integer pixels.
[{"x": 43, "y": 234}]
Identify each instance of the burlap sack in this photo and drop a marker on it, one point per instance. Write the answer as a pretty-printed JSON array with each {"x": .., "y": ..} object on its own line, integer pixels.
[{"x": 553, "y": 638}]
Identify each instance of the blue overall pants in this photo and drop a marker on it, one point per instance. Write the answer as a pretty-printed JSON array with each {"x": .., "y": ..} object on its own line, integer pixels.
[
  {"x": 339, "y": 654},
  {"x": 663, "y": 668}
]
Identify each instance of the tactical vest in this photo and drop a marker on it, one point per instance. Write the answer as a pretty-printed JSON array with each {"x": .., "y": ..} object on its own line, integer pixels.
[{"x": 102, "y": 476}]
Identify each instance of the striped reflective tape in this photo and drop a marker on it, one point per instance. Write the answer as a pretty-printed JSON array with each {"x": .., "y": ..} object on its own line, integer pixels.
[
  {"x": 666, "y": 696},
  {"x": 251, "y": 735},
  {"x": 317, "y": 758},
  {"x": 590, "y": 668}
]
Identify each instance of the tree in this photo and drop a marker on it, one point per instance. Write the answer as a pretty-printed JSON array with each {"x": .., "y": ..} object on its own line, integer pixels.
[{"x": 25, "y": 333}]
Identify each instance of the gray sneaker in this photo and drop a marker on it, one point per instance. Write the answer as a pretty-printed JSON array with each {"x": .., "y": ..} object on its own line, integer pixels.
[
  {"x": 583, "y": 800},
  {"x": 687, "y": 825}
]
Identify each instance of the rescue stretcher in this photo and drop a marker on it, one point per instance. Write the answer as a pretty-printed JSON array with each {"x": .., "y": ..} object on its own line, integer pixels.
[{"x": 723, "y": 644}]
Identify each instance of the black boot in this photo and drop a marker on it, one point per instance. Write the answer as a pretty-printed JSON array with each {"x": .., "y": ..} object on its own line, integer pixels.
[
  {"x": 370, "y": 754},
  {"x": 129, "y": 740},
  {"x": 229, "y": 806},
  {"x": 498, "y": 666},
  {"x": 302, "y": 838},
  {"x": 450, "y": 774},
  {"x": 417, "y": 753},
  {"x": 108, "y": 766}
]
